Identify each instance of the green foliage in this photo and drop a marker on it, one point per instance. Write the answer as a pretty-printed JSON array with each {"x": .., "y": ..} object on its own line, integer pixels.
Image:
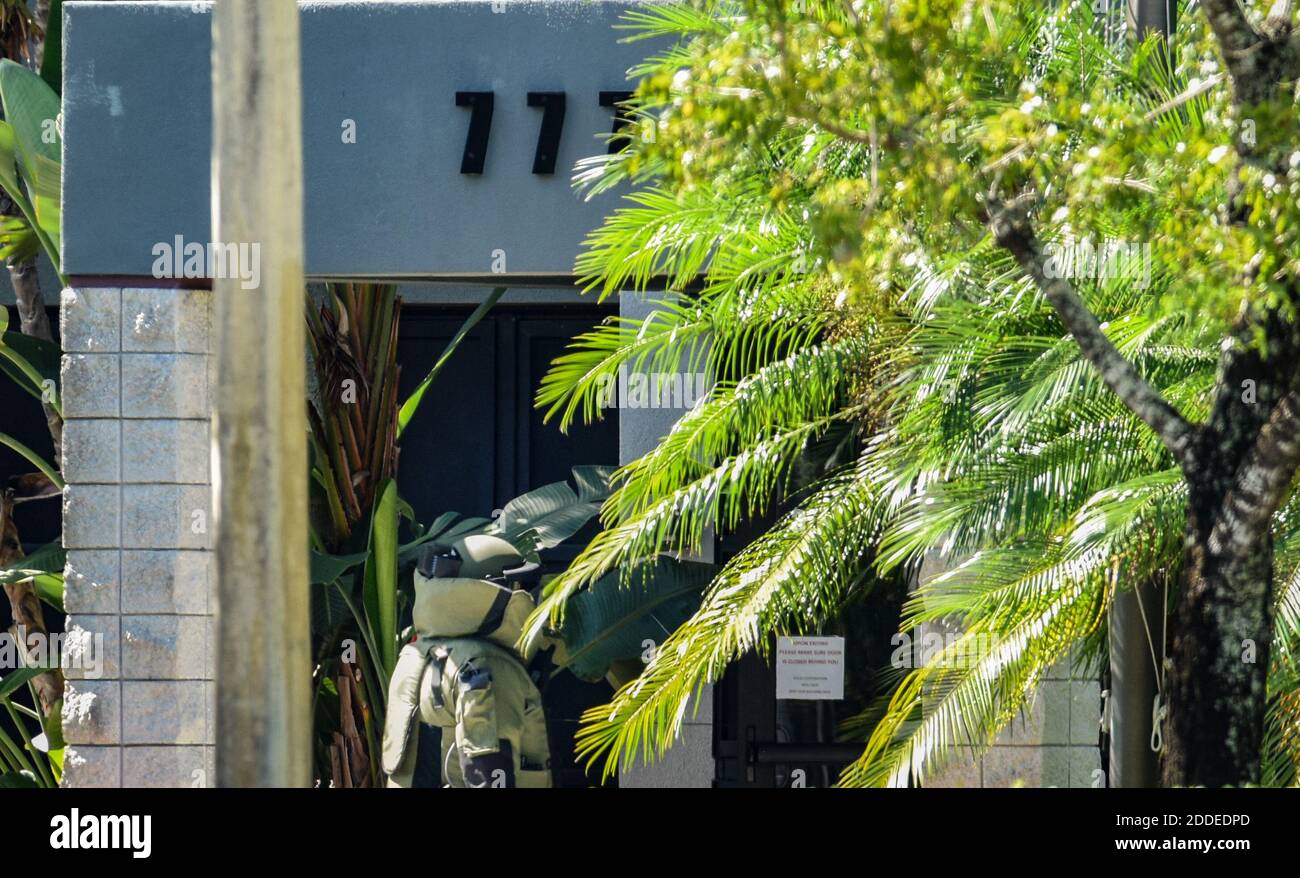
[
  {"x": 412, "y": 404},
  {"x": 826, "y": 169},
  {"x": 30, "y": 162},
  {"x": 606, "y": 624},
  {"x": 44, "y": 568},
  {"x": 31, "y": 363},
  {"x": 380, "y": 590},
  {"x": 52, "y": 57},
  {"x": 36, "y": 758}
]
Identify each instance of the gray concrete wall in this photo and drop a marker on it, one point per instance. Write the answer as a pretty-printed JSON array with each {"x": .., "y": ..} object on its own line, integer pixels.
[{"x": 391, "y": 200}]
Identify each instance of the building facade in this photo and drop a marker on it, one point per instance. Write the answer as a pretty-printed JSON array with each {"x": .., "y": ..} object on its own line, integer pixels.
[{"x": 398, "y": 188}]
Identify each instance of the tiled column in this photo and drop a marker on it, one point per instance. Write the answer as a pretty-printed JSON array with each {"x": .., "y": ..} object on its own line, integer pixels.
[
  {"x": 136, "y": 524},
  {"x": 689, "y": 762}
]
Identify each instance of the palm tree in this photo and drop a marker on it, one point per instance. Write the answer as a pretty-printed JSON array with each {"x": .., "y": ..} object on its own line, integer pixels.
[{"x": 983, "y": 432}]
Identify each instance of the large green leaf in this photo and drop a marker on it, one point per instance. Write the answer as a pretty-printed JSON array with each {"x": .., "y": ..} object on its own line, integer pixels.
[
  {"x": 327, "y": 568},
  {"x": 45, "y": 568},
  {"x": 31, "y": 111},
  {"x": 9, "y": 178},
  {"x": 612, "y": 620},
  {"x": 30, "y": 362},
  {"x": 545, "y": 517},
  {"x": 593, "y": 482},
  {"x": 380, "y": 595},
  {"x": 32, "y": 108}
]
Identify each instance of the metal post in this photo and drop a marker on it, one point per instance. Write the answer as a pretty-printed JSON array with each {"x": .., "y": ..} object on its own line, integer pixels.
[
  {"x": 1146, "y": 16},
  {"x": 1133, "y": 686},
  {"x": 260, "y": 424}
]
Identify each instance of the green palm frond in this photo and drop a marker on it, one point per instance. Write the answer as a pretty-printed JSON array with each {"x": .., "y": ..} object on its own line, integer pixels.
[
  {"x": 791, "y": 578},
  {"x": 809, "y": 386},
  {"x": 989, "y": 438},
  {"x": 730, "y": 333},
  {"x": 976, "y": 685}
]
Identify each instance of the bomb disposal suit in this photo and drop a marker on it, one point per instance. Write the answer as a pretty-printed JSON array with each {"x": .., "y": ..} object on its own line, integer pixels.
[{"x": 463, "y": 672}]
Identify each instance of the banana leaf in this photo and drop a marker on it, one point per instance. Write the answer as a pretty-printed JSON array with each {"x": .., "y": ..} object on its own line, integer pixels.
[
  {"x": 52, "y": 57},
  {"x": 42, "y": 356},
  {"x": 31, "y": 111},
  {"x": 380, "y": 595},
  {"x": 612, "y": 620},
  {"x": 45, "y": 568},
  {"x": 327, "y": 568},
  {"x": 545, "y": 517}
]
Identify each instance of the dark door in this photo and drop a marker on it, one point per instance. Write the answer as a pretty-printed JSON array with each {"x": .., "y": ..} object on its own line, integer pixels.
[
  {"x": 22, "y": 418},
  {"x": 478, "y": 441}
]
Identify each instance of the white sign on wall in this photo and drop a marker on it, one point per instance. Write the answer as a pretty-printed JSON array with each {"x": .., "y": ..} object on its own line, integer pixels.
[{"x": 810, "y": 668}]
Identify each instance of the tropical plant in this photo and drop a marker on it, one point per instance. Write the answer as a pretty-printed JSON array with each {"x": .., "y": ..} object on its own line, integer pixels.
[
  {"x": 833, "y": 186},
  {"x": 30, "y": 182},
  {"x": 361, "y": 570},
  {"x": 361, "y": 599},
  {"x": 30, "y": 163}
]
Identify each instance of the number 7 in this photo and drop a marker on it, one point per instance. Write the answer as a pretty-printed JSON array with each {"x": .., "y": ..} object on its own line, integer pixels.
[
  {"x": 548, "y": 139},
  {"x": 480, "y": 125}
]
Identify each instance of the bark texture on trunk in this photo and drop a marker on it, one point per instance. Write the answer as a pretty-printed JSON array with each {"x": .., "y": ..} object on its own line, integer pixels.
[{"x": 1218, "y": 664}]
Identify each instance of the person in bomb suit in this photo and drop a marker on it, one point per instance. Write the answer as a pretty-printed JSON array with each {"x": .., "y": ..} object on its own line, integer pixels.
[{"x": 463, "y": 671}]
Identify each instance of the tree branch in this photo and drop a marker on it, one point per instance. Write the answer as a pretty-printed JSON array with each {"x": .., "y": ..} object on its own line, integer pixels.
[
  {"x": 1262, "y": 481},
  {"x": 1231, "y": 28},
  {"x": 1012, "y": 230},
  {"x": 1278, "y": 21},
  {"x": 1290, "y": 60}
]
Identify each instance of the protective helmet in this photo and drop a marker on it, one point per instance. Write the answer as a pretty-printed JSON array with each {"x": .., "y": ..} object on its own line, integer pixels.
[
  {"x": 466, "y": 602},
  {"x": 486, "y": 557}
]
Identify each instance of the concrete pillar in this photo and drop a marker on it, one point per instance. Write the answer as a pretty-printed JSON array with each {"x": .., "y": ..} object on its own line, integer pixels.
[{"x": 260, "y": 427}]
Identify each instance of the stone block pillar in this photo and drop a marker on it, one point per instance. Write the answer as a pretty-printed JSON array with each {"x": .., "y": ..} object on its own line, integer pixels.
[{"x": 137, "y": 395}]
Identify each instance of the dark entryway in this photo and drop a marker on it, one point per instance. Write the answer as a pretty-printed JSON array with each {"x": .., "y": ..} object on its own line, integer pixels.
[
  {"x": 21, "y": 417},
  {"x": 478, "y": 441}
]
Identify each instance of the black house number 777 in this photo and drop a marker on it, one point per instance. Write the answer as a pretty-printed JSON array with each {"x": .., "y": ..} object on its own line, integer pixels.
[{"x": 551, "y": 103}]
